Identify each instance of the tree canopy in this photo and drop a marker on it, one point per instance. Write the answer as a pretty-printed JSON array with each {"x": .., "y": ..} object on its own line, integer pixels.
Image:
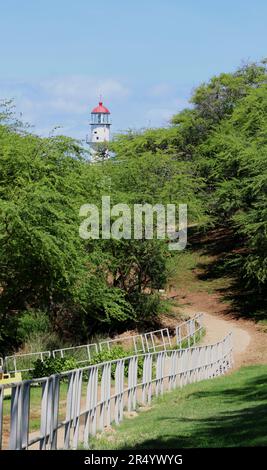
[{"x": 212, "y": 157}]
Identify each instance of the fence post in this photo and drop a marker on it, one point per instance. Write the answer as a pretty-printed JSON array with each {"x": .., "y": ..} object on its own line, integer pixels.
[
  {"x": 163, "y": 363},
  {"x": 144, "y": 380},
  {"x": 135, "y": 380},
  {"x": 149, "y": 378},
  {"x": 153, "y": 342},
  {"x": 129, "y": 392},
  {"x": 76, "y": 406},
  {"x": 108, "y": 394},
  {"x": 194, "y": 330},
  {"x": 25, "y": 414},
  {"x": 169, "y": 338},
  {"x": 163, "y": 340},
  {"x": 192, "y": 365},
  {"x": 143, "y": 344},
  {"x": 88, "y": 352},
  {"x": 181, "y": 373},
  {"x": 94, "y": 411},
  {"x": 91, "y": 400},
  {"x": 230, "y": 350},
  {"x": 121, "y": 400},
  {"x": 160, "y": 371},
  {"x": 102, "y": 397},
  {"x": 135, "y": 348},
  {"x": 118, "y": 387},
  {"x": 67, "y": 427},
  {"x": 15, "y": 417},
  {"x": 51, "y": 412},
  {"x": 174, "y": 361},
  {"x": 147, "y": 345},
  {"x": 19, "y": 416}
]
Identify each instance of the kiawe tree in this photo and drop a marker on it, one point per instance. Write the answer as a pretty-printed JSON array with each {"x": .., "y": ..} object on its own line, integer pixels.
[
  {"x": 44, "y": 264},
  {"x": 212, "y": 157}
]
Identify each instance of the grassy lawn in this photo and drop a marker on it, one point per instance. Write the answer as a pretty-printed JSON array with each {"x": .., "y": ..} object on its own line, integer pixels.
[
  {"x": 223, "y": 412},
  {"x": 184, "y": 269}
]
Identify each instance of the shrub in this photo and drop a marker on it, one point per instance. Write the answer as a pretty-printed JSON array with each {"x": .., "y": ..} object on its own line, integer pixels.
[
  {"x": 117, "y": 352},
  {"x": 32, "y": 322},
  {"x": 52, "y": 366}
]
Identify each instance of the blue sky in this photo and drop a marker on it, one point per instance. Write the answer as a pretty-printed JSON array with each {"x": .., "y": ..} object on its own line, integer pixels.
[{"x": 145, "y": 57}]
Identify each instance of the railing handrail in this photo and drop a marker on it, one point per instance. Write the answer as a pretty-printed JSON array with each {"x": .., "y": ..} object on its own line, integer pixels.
[
  {"x": 172, "y": 368},
  {"x": 98, "y": 346},
  {"x": 113, "y": 361}
]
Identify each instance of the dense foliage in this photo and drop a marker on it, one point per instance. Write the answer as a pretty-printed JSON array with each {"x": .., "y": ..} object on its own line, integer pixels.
[
  {"x": 221, "y": 145},
  {"x": 52, "y": 365},
  {"x": 82, "y": 286},
  {"x": 213, "y": 157}
]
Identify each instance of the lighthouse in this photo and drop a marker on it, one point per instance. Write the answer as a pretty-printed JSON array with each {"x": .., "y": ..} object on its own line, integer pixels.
[
  {"x": 100, "y": 131},
  {"x": 100, "y": 124}
]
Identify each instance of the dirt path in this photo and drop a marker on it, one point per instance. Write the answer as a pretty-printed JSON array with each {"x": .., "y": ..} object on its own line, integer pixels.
[{"x": 250, "y": 342}]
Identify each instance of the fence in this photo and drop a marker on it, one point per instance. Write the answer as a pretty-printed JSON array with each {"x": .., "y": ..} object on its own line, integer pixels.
[
  {"x": 146, "y": 342},
  {"x": 23, "y": 362},
  {"x": 77, "y": 404}
]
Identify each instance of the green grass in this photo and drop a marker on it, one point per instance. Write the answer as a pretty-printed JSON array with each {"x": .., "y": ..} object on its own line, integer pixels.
[
  {"x": 223, "y": 412},
  {"x": 183, "y": 268}
]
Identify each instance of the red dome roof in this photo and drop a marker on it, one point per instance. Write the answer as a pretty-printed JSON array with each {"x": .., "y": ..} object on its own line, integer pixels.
[{"x": 100, "y": 109}]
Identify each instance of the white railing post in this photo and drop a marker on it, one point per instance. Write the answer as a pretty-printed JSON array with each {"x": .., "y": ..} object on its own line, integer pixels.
[
  {"x": 130, "y": 384},
  {"x": 91, "y": 401},
  {"x": 118, "y": 387},
  {"x": 77, "y": 405},
  {"x": 144, "y": 380},
  {"x": 158, "y": 373},
  {"x": 19, "y": 416},
  {"x": 103, "y": 396}
]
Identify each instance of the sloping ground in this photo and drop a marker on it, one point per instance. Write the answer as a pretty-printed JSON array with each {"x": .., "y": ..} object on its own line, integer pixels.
[
  {"x": 223, "y": 412},
  {"x": 200, "y": 285},
  {"x": 250, "y": 342},
  {"x": 228, "y": 411}
]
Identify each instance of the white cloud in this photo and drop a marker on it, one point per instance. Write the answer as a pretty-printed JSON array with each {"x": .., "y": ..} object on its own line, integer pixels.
[
  {"x": 73, "y": 94},
  {"x": 66, "y": 101}
]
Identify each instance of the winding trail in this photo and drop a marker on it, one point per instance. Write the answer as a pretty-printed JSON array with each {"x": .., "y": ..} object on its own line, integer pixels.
[
  {"x": 249, "y": 340},
  {"x": 217, "y": 328}
]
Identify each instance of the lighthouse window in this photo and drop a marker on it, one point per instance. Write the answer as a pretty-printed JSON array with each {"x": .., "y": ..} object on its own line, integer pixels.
[
  {"x": 97, "y": 138},
  {"x": 99, "y": 118}
]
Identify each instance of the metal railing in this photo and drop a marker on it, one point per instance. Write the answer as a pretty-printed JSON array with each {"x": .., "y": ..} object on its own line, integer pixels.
[
  {"x": 145, "y": 342},
  {"x": 77, "y": 404},
  {"x": 23, "y": 362},
  {"x": 142, "y": 342},
  {"x": 83, "y": 353}
]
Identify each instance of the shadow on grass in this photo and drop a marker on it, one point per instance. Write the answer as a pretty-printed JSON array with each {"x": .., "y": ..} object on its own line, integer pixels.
[
  {"x": 226, "y": 258},
  {"x": 242, "y": 427}
]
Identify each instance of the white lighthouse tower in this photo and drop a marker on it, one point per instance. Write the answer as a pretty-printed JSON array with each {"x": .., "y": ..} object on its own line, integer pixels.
[
  {"x": 100, "y": 131},
  {"x": 100, "y": 124}
]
